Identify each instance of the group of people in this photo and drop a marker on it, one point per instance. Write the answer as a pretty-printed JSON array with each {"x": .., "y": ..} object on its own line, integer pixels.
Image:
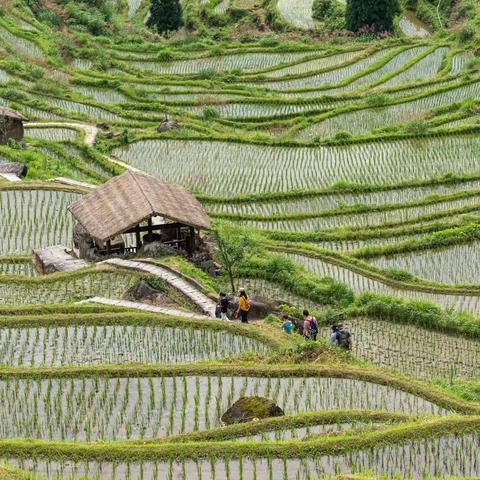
[
  {"x": 308, "y": 327},
  {"x": 241, "y": 311}
]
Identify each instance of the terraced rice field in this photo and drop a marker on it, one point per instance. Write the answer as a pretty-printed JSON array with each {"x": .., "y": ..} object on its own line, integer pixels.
[
  {"x": 34, "y": 218},
  {"x": 299, "y": 168},
  {"x": 69, "y": 290},
  {"x": 360, "y": 283},
  {"x": 438, "y": 355},
  {"x": 248, "y": 61},
  {"x": 84, "y": 345},
  {"x": 55, "y": 134},
  {"x": 366, "y": 120},
  {"x": 447, "y": 455},
  {"x": 311, "y": 138},
  {"x": 124, "y": 408},
  {"x": 459, "y": 264}
]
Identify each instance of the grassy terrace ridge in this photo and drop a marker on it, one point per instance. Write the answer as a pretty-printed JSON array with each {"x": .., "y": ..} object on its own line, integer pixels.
[
  {"x": 348, "y": 209},
  {"x": 231, "y": 432},
  {"x": 375, "y": 273},
  {"x": 325, "y": 445},
  {"x": 420, "y": 389}
]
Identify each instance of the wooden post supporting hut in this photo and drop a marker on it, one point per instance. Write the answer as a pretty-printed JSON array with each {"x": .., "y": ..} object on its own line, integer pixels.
[{"x": 135, "y": 203}]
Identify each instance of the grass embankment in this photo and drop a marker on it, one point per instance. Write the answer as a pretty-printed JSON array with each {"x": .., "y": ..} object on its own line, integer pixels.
[{"x": 322, "y": 445}]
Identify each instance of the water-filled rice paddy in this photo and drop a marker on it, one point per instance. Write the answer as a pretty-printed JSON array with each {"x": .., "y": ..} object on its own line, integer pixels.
[
  {"x": 66, "y": 290},
  {"x": 330, "y": 78},
  {"x": 312, "y": 65},
  {"x": 34, "y": 218},
  {"x": 247, "y": 61},
  {"x": 55, "y": 134},
  {"x": 412, "y": 350},
  {"x": 363, "y": 121},
  {"x": 434, "y": 457},
  {"x": 458, "y": 265},
  {"x": 334, "y": 201},
  {"x": 121, "y": 408},
  {"x": 298, "y": 13},
  {"x": 362, "y": 219},
  {"x": 87, "y": 345},
  {"x": 248, "y": 168},
  {"x": 426, "y": 68}
]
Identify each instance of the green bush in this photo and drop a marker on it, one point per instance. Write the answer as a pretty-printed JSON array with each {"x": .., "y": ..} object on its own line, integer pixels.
[{"x": 210, "y": 113}]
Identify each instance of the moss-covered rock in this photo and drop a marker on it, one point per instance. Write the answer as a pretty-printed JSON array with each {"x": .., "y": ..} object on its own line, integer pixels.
[{"x": 247, "y": 409}]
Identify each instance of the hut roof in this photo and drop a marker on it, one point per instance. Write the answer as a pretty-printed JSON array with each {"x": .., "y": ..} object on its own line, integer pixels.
[
  {"x": 10, "y": 113},
  {"x": 131, "y": 198}
]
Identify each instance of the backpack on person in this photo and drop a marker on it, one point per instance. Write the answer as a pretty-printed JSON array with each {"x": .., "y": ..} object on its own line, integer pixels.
[
  {"x": 343, "y": 340},
  {"x": 313, "y": 326}
]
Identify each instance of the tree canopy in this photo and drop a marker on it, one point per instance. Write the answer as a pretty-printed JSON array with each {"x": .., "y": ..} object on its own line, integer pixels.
[
  {"x": 375, "y": 14},
  {"x": 165, "y": 16}
]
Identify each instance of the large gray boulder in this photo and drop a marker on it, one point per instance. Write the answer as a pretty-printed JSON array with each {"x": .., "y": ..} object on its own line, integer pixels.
[{"x": 247, "y": 409}]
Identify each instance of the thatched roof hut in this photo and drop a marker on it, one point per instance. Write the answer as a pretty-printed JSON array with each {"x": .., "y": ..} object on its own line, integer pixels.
[
  {"x": 125, "y": 202},
  {"x": 11, "y": 125}
]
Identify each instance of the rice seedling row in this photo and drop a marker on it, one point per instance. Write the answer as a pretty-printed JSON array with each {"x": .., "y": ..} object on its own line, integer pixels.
[
  {"x": 459, "y": 61},
  {"x": 87, "y": 345},
  {"x": 252, "y": 168},
  {"x": 55, "y": 134},
  {"x": 71, "y": 289},
  {"x": 222, "y": 7},
  {"x": 124, "y": 408},
  {"x": 102, "y": 95},
  {"x": 447, "y": 455},
  {"x": 312, "y": 65},
  {"x": 362, "y": 121},
  {"x": 457, "y": 265},
  {"x": 34, "y": 218},
  {"x": 359, "y": 219},
  {"x": 244, "y": 61},
  {"x": 19, "y": 44},
  {"x": 329, "y": 202},
  {"x": 254, "y": 110},
  {"x": 298, "y": 12},
  {"x": 329, "y": 78},
  {"x": 413, "y": 351},
  {"x": 396, "y": 63},
  {"x": 17, "y": 267},
  {"x": 94, "y": 113},
  {"x": 428, "y": 67}
]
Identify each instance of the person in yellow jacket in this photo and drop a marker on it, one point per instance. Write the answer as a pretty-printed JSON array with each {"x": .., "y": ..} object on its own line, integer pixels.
[{"x": 243, "y": 305}]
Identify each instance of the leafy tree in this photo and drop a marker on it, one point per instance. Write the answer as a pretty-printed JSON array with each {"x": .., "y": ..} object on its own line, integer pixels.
[
  {"x": 165, "y": 16},
  {"x": 375, "y": 14},
  {"x": 234, "y": 245}
]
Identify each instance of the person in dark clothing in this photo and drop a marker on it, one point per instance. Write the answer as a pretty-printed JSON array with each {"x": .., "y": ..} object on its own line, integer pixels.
[
  {"x": 310, "y": 326},
  {"x": 341, "y": 337},
  {"x": 224, "y": 303}
]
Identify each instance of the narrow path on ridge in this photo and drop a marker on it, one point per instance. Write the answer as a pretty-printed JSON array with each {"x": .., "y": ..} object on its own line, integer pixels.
[{"x": 205, "y": 303}]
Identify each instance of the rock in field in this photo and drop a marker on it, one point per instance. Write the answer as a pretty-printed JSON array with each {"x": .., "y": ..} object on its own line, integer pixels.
[{"x": 247, "y": 409}]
